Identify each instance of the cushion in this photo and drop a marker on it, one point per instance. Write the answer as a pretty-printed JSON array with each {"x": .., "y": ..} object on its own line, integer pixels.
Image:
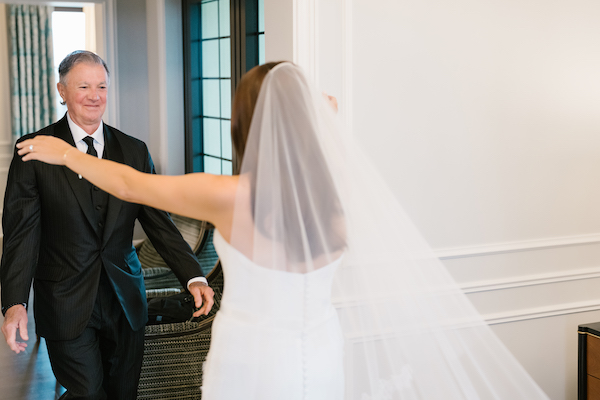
[{"x": 192, "y": 231}]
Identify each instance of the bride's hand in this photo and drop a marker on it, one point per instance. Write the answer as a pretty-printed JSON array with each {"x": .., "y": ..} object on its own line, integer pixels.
[
  {"x": 331, "y": 100},
  {"x": 43, "y": 148}
]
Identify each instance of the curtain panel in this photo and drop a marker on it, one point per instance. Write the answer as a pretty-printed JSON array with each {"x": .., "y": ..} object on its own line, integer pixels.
[{"x": 32, "y": 79}]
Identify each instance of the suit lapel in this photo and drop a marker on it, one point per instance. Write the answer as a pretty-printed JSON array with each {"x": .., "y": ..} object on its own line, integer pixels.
[
  {"x": 114, "y": 152},
  {"x": 81, "y": 187}
]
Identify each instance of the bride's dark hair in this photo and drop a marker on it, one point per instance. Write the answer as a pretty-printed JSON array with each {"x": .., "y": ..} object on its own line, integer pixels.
[
  {"x": 242, "y": 109},
  {"x": 319, "y": 218}
]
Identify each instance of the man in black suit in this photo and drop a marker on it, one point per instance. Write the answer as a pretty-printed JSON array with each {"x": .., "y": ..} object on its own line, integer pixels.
[{"x": 74, "y": 242}]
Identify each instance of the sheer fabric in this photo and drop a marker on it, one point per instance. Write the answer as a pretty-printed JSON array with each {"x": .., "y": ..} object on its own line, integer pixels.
[
  {"x": 309, "y": 199},
  {"x": 31, "y": 68}
]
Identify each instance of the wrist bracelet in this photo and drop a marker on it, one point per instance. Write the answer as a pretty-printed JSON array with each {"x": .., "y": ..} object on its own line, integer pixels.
[{"x": 65, "y": 155}]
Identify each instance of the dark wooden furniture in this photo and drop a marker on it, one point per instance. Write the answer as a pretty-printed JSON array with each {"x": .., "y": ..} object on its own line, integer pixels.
[{"x": 588, "y": 374}]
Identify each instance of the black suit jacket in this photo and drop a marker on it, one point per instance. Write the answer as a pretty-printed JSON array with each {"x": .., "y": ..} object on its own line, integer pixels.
[{"x": 50, "y": 237}]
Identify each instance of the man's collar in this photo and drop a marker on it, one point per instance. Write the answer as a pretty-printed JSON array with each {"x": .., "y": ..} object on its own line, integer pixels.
[{"x": 79, "y": 133}]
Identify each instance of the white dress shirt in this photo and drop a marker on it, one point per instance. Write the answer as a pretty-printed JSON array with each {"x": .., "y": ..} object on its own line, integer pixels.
[{"x": 79, "y": 134}]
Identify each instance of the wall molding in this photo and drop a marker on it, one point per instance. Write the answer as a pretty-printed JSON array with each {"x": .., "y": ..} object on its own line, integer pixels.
[
  {"x": 347, "y": 63},
  {"x": 157, "y": 76},
  {"x": 305, "y": 34},
  {"x": 106, "y": 46},
  {"x": 541, "y": 312},
  {"x": 530, "y": 280},
  {"x": 512, "y": 316},
  {"x": 111, "y": 43},
  {"x": 306, "y": 49},
  {"x": 513, "y": 247}
]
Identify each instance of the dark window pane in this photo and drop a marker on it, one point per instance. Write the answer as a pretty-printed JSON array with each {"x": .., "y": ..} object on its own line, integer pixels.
[
  {"x": 194, "y": 19},
  {"x": 197, "y": 136},
  {"x": 251, "y": 11},
  {"x": 212, "y": 137},
  {"x": 198, "y": 165},
  {"x": 261, "y": 15},
  {"x": 253, "y": 21},
  {"x": 195, "y": 56},
  {"x": 196, "y": 96},
  {"x": 251, "y": 51},
  {"x": 210, "y": 20},
  {"x": 211, "y": 98}
]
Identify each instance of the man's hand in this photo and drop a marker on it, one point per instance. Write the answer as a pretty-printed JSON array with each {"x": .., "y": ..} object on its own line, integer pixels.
[
  {"x": 16, "y": 318},
  {"x": 203, "y": 298}
]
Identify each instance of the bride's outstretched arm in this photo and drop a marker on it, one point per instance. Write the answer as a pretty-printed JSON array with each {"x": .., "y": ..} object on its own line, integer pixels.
[{"x": 201, "y": 196}]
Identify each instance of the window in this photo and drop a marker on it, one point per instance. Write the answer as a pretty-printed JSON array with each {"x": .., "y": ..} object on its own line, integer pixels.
[
  {"x": 216, "y": 54},
  {"x": 209, "y": 83},
  {"x": 255, "y": 33},
  {"x": 68, "y": 34}
]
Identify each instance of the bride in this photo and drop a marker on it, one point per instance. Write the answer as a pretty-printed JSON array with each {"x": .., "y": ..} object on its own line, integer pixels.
[{"x": 331, "y": 291}]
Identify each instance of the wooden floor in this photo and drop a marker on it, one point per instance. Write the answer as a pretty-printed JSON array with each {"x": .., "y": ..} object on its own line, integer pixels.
[{"x": 27, "y": 376}]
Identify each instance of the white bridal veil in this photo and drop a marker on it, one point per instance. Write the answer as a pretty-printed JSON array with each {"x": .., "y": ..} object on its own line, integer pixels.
[{"x": 308, "y": 196}]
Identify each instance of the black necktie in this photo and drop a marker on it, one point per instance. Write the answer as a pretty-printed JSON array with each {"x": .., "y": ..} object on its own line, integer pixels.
[
  {"x": 99, "y": 197},
  {"x": 90, "y": 143}
]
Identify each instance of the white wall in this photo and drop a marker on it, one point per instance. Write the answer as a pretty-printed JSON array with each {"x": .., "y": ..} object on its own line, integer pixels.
[
  {"x": 132, "y": 55},
  {"x": 165, "y": 85},
  {"x": 6, "y": 141},
  {"x": 483, "y": 117}
]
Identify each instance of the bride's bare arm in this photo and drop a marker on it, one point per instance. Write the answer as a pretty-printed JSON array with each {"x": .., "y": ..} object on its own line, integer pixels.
[{"x": 201, "y": 196}]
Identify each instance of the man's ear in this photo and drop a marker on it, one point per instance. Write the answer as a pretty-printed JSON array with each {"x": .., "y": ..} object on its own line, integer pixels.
[{"x": 61, "y": 88}]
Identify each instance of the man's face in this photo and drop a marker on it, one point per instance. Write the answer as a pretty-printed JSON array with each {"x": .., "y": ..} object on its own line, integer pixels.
[{"x": 85, "y": 94}]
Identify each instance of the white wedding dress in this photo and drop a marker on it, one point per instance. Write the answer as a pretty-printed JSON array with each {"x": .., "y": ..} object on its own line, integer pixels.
[
  {"x": 400, "y": 327},
  {"x": 276, "y": 335}
]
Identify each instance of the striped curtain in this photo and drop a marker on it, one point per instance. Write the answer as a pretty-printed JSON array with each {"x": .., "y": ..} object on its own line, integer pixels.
[{"x": 31, "y": 68}]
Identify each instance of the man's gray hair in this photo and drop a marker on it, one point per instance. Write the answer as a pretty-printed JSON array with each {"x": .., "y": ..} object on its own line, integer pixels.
[{"x": 76, "y": 57}]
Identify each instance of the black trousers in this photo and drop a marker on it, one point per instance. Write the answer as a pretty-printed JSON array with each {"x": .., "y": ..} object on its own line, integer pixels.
[{"x": 105, "y": 361}]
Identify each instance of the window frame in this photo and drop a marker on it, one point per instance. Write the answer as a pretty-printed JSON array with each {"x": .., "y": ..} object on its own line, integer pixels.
[{"x": 239, "y": 65}]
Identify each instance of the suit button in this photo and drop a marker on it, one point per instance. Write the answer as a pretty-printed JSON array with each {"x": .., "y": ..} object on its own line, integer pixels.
[
  {"x": 98, "y": 207},
  {"x": 96, "y": 188},
  {"x": 100, "y": 224}
]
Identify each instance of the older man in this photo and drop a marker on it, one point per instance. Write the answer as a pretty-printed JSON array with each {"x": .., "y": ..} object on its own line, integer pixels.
[{"x": 74, "y": 242}]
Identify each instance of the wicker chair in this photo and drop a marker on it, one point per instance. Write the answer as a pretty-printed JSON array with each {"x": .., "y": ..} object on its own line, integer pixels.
[
  {"x": 198, "y": 234},
  {"x": 174, "y": 353}
]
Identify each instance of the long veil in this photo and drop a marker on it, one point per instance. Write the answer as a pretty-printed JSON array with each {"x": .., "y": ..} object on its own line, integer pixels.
[{"x": 307, "y": 197}]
